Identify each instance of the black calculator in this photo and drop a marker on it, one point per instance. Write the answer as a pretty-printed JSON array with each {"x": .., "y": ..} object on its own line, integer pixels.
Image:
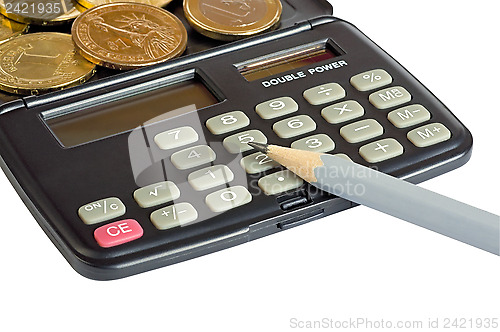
[{"x": 152, "y": 167}]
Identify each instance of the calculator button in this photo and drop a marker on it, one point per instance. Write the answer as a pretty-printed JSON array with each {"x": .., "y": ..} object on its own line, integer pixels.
[
  {"x": 372, "y": 79},
  {"x": 325, "y": 93},
  {"x": 174, "y": 215},
  {"x": 156, "y": 194},
  {"x": 361, "y": 131},
  {"x": 238, "y": 142},
  {"x": 428, "y": 135},
  {"x": 342, "y": 112},
  {"x": 280, "y": 182},
  {"x": 101, "y": 210},
  {"x": 390, "y": 97},
  {"x": 381, "y": 150},
  {"x": 317, "y": 143},
  {"x": 294, "y": 126},
  {"x": 277, "y": 107},
  {"x": 118, "y": 232},
  {"x": 257, "y": 163},
  {"x": 227, "y": 122},
  {"x": 409, "y": 116},
  {"x": 175, "y": 138},
  {"x": 210, "y": 177},
  {"x": 229, "y": 198},
  {"x": 193, "y": 157}
]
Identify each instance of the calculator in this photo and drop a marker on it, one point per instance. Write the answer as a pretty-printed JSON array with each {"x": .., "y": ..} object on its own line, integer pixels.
[{"x": 151, "y": 167}]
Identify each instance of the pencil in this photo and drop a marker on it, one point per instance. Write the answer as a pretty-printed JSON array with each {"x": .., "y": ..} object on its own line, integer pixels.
[{"x": 390, "y": 195}]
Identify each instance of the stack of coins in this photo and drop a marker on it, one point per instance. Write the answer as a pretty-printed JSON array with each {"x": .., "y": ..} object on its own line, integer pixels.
[
  {"x": 117, "y": 34},
  {"x": 39, "y": 62}
]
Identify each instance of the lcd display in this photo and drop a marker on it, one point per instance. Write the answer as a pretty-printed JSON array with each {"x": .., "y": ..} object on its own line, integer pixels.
[
  {"x": 123, "y": 115},
  {"x": 287, "y": 60}
]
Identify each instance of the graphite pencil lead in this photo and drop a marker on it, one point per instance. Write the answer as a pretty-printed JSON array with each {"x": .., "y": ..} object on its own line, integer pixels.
[{"x": 264, "y": 148}]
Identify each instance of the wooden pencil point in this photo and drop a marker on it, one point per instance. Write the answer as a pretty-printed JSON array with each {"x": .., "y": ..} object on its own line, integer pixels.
[
  {"x": 264, "y": 148},
  {"x": 299, "y": 162}
]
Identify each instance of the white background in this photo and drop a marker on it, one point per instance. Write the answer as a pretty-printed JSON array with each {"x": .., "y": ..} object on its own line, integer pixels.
[{"x": 359, "y": 263}]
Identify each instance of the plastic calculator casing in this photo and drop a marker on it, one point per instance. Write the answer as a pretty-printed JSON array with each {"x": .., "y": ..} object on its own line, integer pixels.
[{"x": 55, "y": 182}]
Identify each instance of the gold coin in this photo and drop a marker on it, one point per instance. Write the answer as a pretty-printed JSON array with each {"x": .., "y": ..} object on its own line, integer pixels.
[
  {"x": 232, "y": 19},
  {"x": 41, "y": 62},
  {"x": 40, "y": 12},
  {"x": 92, "y": 3},
  {"x": 128, "y": 35},
  {"x": 10, "y": 29}
]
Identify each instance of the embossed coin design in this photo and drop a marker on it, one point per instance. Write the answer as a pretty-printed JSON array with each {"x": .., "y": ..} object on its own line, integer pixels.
[
  {"x": 93, "y": 3},
  {"x": 41, "y": 62},
  {"x": 232, "y": 19},
  {"x": 40, "y": 12},
  {"x": 128, "y": 35},
  {"x": 10, "y": 29}
]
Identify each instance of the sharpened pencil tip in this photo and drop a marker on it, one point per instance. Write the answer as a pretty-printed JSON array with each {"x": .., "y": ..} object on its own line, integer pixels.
[{"x": 264, "y": 148}]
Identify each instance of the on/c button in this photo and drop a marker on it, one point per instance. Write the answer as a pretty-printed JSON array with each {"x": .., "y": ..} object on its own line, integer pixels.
[{"x": 118, "y": 232}]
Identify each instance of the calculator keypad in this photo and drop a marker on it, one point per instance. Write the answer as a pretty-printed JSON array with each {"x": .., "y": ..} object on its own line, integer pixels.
[
  {"x": 293, "y": 127},
  {"x": 174, "y": 215},
  {"x": 361, "y": 131},
  {"x": 228, "y": 122},
  {"x": 370, "y": 80},
  {"x": 409, "y": 116},
  {"x": 390, "y": 97},
  {"x": 228, "y": 199},
  {"x": 381, "y": 150},
  {"x": 325, "y": 93},
  {"x": 428, "y": 135},
  {"x": 346, "y": 117},
  {"x": 156, "y": 194},
  {"x": 175, "y": 138},
  {"x": 237, "y": 143},
  {"x": 277, "y": 107},
  {"x": 317, "y": 143},
  {"x": 193, "y": 157},
  {"x": 101, "y": 210},
  {"x": 210, "y": 177},
  {"x": 343, "y": 112}
]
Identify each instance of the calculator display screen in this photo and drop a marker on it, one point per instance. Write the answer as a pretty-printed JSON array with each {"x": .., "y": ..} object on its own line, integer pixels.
[
  {"x": 126, "y": 114},
  {"x": 287, "y": 60}
]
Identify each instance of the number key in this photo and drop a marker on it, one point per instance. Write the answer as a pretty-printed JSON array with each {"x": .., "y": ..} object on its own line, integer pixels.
[
  {"x": 175, "y": 138},
  {"x": 210, "y": 177},
  {"x": 193, "y": 157},
  {"x": 294, "y": 126},
  {"x": 227, "y": 122},
  {"x": 227, "y": 199},
  {"x": 317, "y": 143},
  {"x": 239, "y": 142},
  {"x": 257, "y": 163},
  {"x": 277, "y": 107}
]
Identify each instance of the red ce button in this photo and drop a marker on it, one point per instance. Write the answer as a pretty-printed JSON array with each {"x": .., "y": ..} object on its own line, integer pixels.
[{"x": 117, "y": 233}]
